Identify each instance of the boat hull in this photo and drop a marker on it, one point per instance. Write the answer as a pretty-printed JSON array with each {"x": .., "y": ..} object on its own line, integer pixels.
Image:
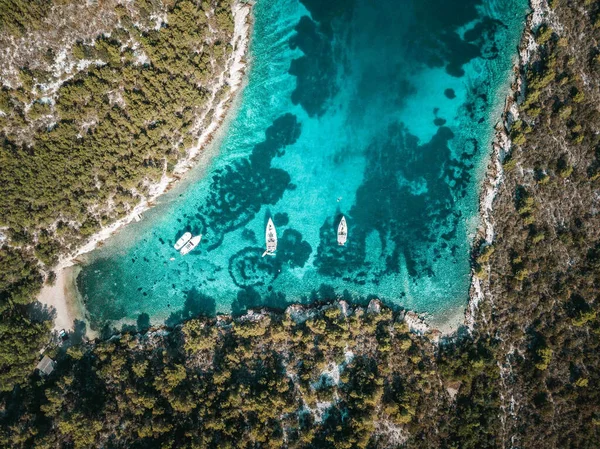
[
  {"x": 270, "y": 238},
  {"x": 342, "y": 234},
  {"x": 189, "y": 246},
  {"x": 183, "y": 240}
]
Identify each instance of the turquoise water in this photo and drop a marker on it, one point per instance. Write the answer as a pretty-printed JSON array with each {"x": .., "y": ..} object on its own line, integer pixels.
[{"x": 381, "y": 111}]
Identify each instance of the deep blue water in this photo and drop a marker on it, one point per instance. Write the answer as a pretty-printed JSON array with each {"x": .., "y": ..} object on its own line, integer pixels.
[{"x": 382, "y": 111}]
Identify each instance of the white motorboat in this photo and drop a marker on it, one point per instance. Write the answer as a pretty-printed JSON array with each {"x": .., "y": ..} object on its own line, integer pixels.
[
  {"x": 183, "y": 240},
  {"x": 342, "y": 234},
  {"x": 191, "y": 244},
  {"x": 270, "y": 238}
]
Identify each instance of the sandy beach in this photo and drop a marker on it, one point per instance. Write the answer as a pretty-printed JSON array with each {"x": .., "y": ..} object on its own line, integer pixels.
[{"x": 62, "y": 295}]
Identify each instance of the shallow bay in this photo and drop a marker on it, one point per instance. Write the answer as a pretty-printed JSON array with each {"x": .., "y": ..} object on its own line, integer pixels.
[{"x": 380, "y": 111}]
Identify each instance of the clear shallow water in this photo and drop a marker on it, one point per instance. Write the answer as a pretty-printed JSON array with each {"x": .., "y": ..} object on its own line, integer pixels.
[{"x": 381, "y": 111}]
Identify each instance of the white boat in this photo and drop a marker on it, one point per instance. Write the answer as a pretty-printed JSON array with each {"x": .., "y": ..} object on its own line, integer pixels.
[
  {"x": 183, "y": 240},
  {"x": 271, "y": 239},
  {"x": 193, "y": 242},
  {"x": 342, "y": 234}
]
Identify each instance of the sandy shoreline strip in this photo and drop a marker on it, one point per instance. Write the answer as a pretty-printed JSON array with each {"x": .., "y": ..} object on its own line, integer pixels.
[
  {"x": 57, "y": 295},
  {"x": 62, "y": 295}
]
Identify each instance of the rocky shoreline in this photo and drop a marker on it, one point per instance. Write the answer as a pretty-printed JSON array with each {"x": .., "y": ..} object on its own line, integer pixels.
[{"x": 501, "y": 148}]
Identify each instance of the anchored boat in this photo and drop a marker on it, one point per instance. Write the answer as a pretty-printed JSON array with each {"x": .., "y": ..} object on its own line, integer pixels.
[
  {"x": 183, "y": 240},
  {"x": 342, "y": 234},
  {"x": 271, "y": 239},
  {"x": 190, "y": 245}
]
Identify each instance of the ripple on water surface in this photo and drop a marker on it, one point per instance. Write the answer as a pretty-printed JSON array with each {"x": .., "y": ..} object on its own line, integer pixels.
[{"x": 379, "y": 111}]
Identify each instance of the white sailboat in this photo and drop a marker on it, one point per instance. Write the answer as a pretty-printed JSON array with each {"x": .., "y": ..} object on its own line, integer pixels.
[
  {"x": 271, "y": 239},
  {"x": 342, "y": 234},
  {"x": 183, "y": 240},
  {"x": 191, "y": 244}
]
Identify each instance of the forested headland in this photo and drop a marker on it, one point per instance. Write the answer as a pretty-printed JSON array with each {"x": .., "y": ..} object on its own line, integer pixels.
[
  {"x": 541, "y": 274},
  {"x": 346, "y": 376},
  {"x": 99, "y": 101},
  {"x": 333, "y": 376}
]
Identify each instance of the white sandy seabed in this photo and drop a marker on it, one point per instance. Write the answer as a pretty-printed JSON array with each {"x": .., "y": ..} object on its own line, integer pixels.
[{"x": 62, "y": 295}]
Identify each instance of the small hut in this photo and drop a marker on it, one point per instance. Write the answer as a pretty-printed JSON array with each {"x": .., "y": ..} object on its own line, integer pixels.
[{"x": 46, "y": 365}]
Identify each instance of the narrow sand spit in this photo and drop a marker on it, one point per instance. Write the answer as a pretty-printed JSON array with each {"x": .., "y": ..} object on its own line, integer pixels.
[{"x": 62, "y": 296}]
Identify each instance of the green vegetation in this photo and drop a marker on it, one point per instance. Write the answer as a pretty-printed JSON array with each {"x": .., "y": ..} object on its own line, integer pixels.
[
  {"x": 543, "y": 35},
  {"x": 526, "y": 376},
  {"x": 333, "y": 376},
  {"x": 22, "y": 331},
  {"x": 543, "y": 272},
  {"x": 335, "y": 380},
  {"x": 85, "y": 156},
  {"x": 18, "y": 16},
  {"x": 114, "y": 129}
]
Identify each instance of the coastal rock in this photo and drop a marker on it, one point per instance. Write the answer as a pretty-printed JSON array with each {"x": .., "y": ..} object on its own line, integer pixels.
[
  {"x": 415, "y": 323},
  {"x": 374, "y": 306},
  {"x": 300, "y": 314},
  {"x": 255, "y": 316},
  {"x": 344, "y": 308}
]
